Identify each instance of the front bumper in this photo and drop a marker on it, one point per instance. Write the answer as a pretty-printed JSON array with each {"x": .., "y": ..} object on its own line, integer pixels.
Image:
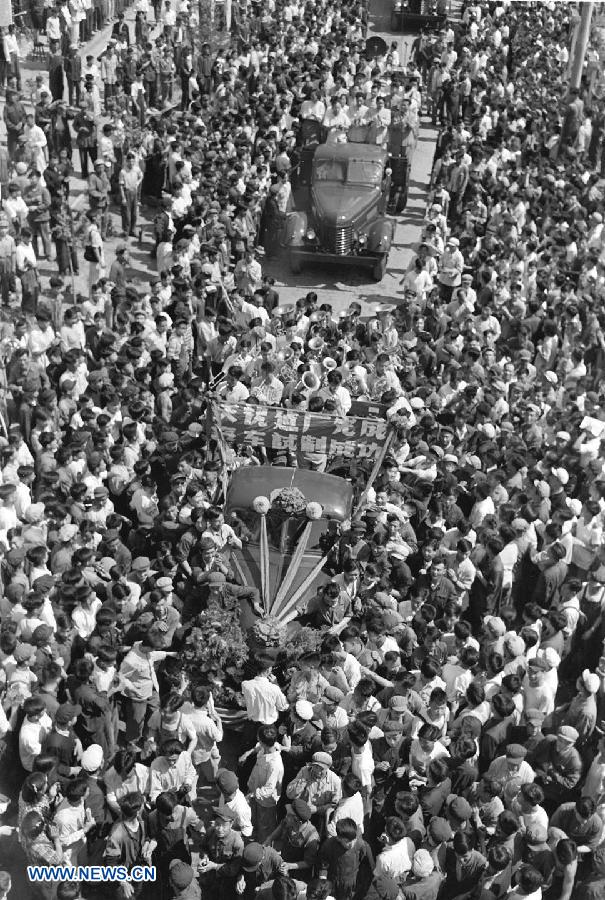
[{"x": 307, "y": 254}]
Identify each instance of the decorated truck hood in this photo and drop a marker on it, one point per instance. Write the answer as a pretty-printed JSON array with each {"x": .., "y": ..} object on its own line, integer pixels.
[{"x": 286, "y": 533}]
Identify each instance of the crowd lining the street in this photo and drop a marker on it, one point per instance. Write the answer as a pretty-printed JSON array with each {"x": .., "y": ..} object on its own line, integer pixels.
[{"x": 447, "y": 738}]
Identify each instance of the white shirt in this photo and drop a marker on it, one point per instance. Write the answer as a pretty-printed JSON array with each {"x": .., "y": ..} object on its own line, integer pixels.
[
  {"x": 264, "y": 700},
  {"x": 396, "y": 860},
  {"x": 84, "y": 618},
  {"x": 30, "y": 740},
  {"x": 240, "y": 806},
  {"x": 25, "y": 254},
  {"x": 348, "y": 808},
  {"x": 207, "y": 730}
]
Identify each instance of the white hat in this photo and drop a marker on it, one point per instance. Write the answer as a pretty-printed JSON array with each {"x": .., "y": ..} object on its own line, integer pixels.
[
  {"x": 563, "y": 435},
  {"x": 562, "y": 474},
  {"x": 34, "y": 513},
  {"x": 574, "y": 505},
  {"x": 417, "y": 403},
  {"x": 166, "y": 379},
  {"x": 92, "y": 758},
  {"x": 590, "y": 681},
  {"x": 422, "y": 864},
  {"x": 304, "y": 710},
  {"x": 489, "y": 430},
  {"x": 67, "y": 532},
  {"x": 551, "y": 656},
  {"x": 552, "y": 377}
]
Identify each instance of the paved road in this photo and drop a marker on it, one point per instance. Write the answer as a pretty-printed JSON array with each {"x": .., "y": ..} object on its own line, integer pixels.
[{"x": 340, "y": 285}]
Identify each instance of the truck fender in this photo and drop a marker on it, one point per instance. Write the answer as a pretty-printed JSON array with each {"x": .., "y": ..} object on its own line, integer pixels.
[
  {"x": 296, "y": 228},
  {"x": 380, "y": 236}
]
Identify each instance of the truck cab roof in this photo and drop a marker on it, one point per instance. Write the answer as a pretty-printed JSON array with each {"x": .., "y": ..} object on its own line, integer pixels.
[{"x": 350, "y": 151}]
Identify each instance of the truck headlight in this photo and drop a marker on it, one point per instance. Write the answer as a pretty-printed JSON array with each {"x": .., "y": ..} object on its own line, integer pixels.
[
  {"x": 310, "y": 234},
  {"x": 362, "y": 240}
]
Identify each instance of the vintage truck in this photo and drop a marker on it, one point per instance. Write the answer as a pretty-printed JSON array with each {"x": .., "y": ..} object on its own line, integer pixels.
[
  {"x": 283, "y": 530},
  {"x": 412, "y": 15},
  {"x": 342, "y": 194}
]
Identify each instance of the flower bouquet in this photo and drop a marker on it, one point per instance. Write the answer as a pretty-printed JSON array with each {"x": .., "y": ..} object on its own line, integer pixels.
[
  {"x": 266, "y": 633},
  {"x": 289, "y": 500},
  {"x": 215, "y": 653}
]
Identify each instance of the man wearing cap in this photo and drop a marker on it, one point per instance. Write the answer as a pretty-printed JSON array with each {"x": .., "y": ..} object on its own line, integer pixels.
[
  {"x": 98, "y": 194},
  {"x": 182, "y": 881},
  {"x": 112, "y": 546},
  {"x": 558, "y": 765},
  {"x": 317, "y": 784},
  {"x": 424, "y": 881},
  {"x": 511, "y": 771},
  {"x": 529, "y": 731},
  {"x": 330, "y": 712},
  {"x": 220, "y": 850},
  {"x": 233, "y": 797},
  {"x": 297, "y": 741},
  {"x": 258, "y": 864},
  {"x": 450, "y": 268},
  {"x": 296, "y": 839}
]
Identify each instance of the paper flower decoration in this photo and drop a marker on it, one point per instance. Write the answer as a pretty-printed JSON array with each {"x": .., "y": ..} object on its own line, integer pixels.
[
  {"x": 261, "y": 505},
  {"x": 313, "y": 510}
]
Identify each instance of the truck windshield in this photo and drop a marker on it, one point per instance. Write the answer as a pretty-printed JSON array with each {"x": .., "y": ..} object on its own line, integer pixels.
[
  {"x": 364, "y": 171},
  {"x": 331, "y": 170},
  {"x": 352, "y": 171}
]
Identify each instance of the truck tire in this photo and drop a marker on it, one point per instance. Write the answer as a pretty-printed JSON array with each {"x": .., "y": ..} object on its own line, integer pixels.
[
  {"x": 402, "y": 200},
  {"x": 380, "y": 268},
  {"x": 295, "y": 264}
]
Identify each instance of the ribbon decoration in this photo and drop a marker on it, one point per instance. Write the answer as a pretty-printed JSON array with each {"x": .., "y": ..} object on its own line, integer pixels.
[
  {"x": 289, "y": 610},
  {"x": 265, "y": 586},
  {"x": 293, "y": 567}
]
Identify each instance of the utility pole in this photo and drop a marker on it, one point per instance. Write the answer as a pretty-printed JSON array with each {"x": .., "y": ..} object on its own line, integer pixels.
[{"x": 579, "y": 44}]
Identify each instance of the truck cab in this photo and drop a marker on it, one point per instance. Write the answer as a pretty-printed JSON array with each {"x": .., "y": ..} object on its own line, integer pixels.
[
  {"x": 333, "y": 493},
  {"x": 341, "y": 194}
]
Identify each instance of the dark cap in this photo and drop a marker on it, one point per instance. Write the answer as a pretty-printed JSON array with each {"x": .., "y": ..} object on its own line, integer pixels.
[{"x": 66, "y": 712}]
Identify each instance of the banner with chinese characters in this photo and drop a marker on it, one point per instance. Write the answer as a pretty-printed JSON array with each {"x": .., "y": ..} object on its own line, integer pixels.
[{"x": 284, "y": 429}]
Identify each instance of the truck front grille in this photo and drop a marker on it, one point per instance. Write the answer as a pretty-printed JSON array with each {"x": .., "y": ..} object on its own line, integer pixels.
[{"x": 343, "y": 240}]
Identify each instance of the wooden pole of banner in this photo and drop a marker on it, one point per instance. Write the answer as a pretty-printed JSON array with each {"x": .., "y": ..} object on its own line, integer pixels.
[
  {"x": 215, "y": 420},
  {"x": 375, "y": 470}
]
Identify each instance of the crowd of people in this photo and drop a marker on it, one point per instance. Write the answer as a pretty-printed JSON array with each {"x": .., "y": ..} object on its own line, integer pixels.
[{"x": 447, "y": 738}]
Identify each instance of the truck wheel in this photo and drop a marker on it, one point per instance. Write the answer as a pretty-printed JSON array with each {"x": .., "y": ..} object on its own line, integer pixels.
[
  {"x": 295, "y": 265},
  {"x": 380, "y": 268}
]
